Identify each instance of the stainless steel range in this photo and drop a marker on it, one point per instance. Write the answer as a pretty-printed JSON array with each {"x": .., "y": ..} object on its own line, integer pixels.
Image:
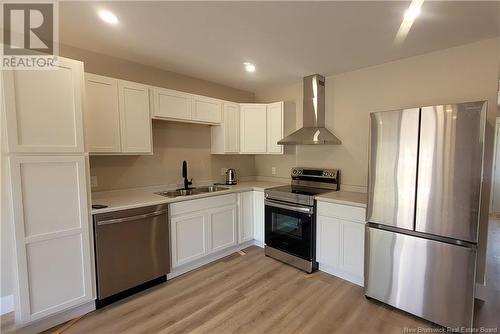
[{"x": 290, "y": 216}]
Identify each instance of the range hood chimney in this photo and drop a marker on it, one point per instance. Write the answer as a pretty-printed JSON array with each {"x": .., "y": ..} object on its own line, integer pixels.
[{"x": 313, "y": 131}]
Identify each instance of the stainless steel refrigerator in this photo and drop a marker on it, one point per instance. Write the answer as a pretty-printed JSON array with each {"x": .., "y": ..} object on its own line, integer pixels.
[{"x": 425, "y": 178}]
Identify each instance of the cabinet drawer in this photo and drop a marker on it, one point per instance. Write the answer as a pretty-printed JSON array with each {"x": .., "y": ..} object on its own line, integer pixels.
[
  {"x": 201, "y": 204},
  {"x": 348, "y": 212}
]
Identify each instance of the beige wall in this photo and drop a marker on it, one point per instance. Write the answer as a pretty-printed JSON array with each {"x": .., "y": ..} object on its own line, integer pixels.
[
  {"x": 466, "y": 73},
  {"x": 127, "y": 70},
  {"x": 173, "y": 142}
]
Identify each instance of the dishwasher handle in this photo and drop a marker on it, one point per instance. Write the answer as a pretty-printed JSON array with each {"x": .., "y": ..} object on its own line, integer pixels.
[{"x": 127, "y": 219}]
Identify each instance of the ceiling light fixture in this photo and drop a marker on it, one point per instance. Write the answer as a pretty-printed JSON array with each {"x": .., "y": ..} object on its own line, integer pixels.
[
  {"x": 409, "y": 17},
  {"x": 108, "y": 16},
  {"x": 249, "y": 67}
]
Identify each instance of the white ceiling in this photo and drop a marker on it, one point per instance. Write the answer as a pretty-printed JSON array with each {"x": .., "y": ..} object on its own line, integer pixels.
[{"x": 285, "y": 40}]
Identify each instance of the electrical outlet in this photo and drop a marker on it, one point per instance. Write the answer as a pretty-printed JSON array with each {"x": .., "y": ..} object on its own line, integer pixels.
[
  {"x": 93, "y": 181},
  {"x": 223, "y": 171},
  {"x": 273, "y": 170}
]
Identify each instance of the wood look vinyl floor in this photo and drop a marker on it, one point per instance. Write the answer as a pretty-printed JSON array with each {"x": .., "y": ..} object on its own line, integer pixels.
[{"x": 257, "y": 294}]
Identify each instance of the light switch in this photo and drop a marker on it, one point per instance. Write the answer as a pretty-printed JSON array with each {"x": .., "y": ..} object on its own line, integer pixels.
[{"x": 273, "y": 170}]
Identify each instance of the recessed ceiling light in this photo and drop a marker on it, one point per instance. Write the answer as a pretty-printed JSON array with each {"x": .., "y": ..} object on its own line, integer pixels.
[
  {"x": 108, "y": 16},
  {"x": 249, "y": 67}
]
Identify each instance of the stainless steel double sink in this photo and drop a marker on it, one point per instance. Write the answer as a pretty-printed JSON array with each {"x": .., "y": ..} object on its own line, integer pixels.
[{"x": 193, "y": 191}]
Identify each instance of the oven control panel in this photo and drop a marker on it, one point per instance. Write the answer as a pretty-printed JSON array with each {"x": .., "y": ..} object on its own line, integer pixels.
[
  {"x": 316, "y": 177},
  {"x": 314, "y": 172}
]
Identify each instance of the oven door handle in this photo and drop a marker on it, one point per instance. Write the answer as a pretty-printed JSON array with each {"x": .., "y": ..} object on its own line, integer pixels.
[{"x": 303, "y": 209}]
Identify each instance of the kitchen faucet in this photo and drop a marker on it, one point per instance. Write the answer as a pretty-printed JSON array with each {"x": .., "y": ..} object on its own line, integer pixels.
[{"x": 187, "y": 183}]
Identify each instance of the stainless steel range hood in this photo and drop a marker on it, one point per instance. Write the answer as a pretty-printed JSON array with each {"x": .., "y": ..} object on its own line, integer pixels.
[{"x": 313, "y": 131}]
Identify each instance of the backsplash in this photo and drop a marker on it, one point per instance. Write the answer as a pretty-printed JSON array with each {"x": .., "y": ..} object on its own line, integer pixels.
[{"x": 172, "y": 143}]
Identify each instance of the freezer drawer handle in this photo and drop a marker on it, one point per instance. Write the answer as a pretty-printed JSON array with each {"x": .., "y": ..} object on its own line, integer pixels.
[{"x": 127, "y": 219}]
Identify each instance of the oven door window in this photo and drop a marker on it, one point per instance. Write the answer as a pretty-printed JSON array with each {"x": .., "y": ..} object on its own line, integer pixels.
[{"x": 289, "y": 231}]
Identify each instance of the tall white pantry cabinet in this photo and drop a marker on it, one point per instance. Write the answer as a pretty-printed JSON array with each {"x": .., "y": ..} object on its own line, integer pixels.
[{"x": 46, "y": 189}]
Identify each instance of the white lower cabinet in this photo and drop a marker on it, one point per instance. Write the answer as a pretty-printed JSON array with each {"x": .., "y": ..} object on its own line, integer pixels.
[
  {"x": 51, "y": 224},
  {"x": 202, "y": 227},
  {"x": 189, "y": 238},
  {"x": 246, "y": 214},
  {"x": 258, "y": 199},
  {"x": 223, "y": 228},
  {"x": 340, "y": 239}
]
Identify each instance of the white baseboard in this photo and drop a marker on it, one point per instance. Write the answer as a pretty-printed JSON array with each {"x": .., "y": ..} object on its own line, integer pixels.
[
  {"x": 356, "y": 279},
  {"x": 206, "y": 260},
  {"x": 258, "y": 243},
  {"x": 49, "y": 322},
  {"x": 6, "y": 304}
]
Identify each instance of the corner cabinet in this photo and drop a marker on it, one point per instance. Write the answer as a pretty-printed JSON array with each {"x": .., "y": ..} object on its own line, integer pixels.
[
  {"x": 202, "y": 227},
  {"x": 340, "y": 241},
  {"x": 226, "y": 137},
  {"x": 274, "y": 127},
  {"x": 249, "y": 128},
  {"x": 253, "y": 118},
  {"x": 117, "y": 116}
]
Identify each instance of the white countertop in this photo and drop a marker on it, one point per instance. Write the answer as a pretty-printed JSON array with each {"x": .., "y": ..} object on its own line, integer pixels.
[
  {"x": 139, "y": 197},
  {"x": 344, "y": 197}
]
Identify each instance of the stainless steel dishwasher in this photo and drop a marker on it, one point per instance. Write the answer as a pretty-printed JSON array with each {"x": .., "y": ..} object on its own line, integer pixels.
[{"x": 132, "y": 251}]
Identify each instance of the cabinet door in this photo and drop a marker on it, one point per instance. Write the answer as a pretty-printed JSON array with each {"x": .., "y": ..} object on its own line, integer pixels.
[
  {"x": 231, "y": 127},
  {"x": 51, "y": 222},
  {"x": 135, "y": 119},
  {"x": 171, "y": 104},
  {"x": 274, "y": 127},
  {"x": 253, "y": 128},
  {"x": 258, "y": 203},
  {"x": 189, "y": 240},
  {"x": 44, "y": 109},
  {"x": 102, "y": 117},
  {"x": 206, "y": 109},
  {"x": 353, "y": 245},
  {"x": 328, "y": 241},
  {"x": 223, "y": 228},
  {"x": 246, "y": 216}
]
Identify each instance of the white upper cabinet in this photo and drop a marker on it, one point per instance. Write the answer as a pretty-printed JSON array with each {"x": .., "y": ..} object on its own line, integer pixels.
[
  {"x": 274, "y": 127},
  {"x": 117, "y": 116},
  {"x": 249, "y": 128},
  {"x": 206, "y": 109},
  {"x": 102, "y": 115},
  {"x": 171, "y": 104},
  {"x": 226, "y": 137},
  {"x": 135, "y": 119},
  {"x": 253, "y": 118},
  {"x": 44, "y": 109}
]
